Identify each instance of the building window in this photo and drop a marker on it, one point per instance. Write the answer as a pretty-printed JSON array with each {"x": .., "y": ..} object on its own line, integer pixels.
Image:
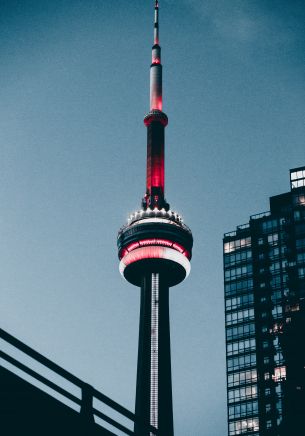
[
  {"x": 242, "y": 378},
  {"x": 299, "y": 200},
  {"x": 240, "y": 394},
  {"x": 269, "y": 423},
  {"x": 275, "y": 282},
  {"x": 300, "y": 229},
  {"x": 279, "y": 373},
  {"x": 277, "y": 311},
  {"x": 239, "y": 256},
  {"x": 242, "y": 300},
  {"x": 273, "y": 239},
  {"x": 244, "y": 409},
  {"x": 232, "y": 273},
  {"x": 239, "y": 316},
  {"x": 301, "y": 257},
  {"x": 266, "y": 344},
  {"x": 274, "y": 252},
  {"x": 241, "y": 361},
  {"x": 277, "y": 328},
  {"x": 300, "y": 243},
  {"x": 243, "y": 426},
  {"x": 297, "y": 175},
  {"x": 278, "y": 358},
  {"x": 279, "y": 406},
  {"x": 238, "y": 287},
  {"x": 269, "y": 226},
  {"x": 240, "y": 331},
  {"x": 276, "y": 295},
  {"x": 301, "y": 272},
  {"x": 278, "y": 389},
  {"x": 292, "y": 307},
  {"x": 236, "y": 245},
  {"x": 241, "y": 346},
  {"x": 274, "y": 267},
  {"x": 276, "y": 341}
]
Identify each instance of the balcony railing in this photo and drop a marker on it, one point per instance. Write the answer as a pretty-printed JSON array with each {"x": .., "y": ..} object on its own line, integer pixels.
[{"x": 88, "y": 393}]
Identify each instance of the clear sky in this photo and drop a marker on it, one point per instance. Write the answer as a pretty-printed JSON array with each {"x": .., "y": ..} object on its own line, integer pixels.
[{"x": 74, "y": 88}]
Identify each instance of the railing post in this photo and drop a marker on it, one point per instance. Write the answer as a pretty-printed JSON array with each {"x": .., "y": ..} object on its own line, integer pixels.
[{"x": 86, "y": 409}]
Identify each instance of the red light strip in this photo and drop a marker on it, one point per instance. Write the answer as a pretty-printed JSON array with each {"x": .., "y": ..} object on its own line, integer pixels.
[
  {"x": 155, "y": 252},
  {"x": 154, "y": 241}
]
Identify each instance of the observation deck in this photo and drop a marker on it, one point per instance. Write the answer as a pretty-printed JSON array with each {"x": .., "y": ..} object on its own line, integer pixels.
[{"x": 155, "y": 240}]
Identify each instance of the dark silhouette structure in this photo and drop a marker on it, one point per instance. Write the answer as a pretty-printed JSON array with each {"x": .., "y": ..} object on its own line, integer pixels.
[
  {"x": 155, "y": 251},
  {"x": 27, "y": 409},
  {"x": 264, "y": 273}
]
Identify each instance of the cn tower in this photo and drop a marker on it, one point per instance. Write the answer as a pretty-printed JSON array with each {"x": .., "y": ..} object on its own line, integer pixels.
[{"x": 154, "y": 249}]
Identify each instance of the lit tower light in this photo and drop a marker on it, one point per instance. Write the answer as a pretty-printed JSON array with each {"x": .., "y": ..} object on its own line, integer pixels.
[{"x": 155, "y": 249}]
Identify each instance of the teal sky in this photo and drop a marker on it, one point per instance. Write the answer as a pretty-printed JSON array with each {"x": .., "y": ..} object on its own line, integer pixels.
[{"x": 74, "y": 88}]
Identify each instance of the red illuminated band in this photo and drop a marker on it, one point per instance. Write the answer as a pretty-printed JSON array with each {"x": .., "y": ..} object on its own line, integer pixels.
[
  {"x": 154, "y": 242},
  {"x": 155, "y": 252}
]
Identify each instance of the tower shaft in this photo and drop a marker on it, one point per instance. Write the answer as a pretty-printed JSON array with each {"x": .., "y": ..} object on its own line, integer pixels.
[
  {"x": 155, "y": 166},
  {"x": 154, "y": 385}
]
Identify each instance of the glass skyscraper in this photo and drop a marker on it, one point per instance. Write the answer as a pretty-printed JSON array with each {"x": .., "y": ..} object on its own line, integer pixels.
[{"x": 264, "y": 281}]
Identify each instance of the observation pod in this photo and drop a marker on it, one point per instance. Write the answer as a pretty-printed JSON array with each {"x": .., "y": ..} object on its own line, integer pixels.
[
  {"x": 154, "y": 249},
  {"x": 155, "y": 241}
]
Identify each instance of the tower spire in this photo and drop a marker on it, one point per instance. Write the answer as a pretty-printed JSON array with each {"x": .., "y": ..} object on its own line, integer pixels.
[
  {"x": 155, "y": 121},
  {"x": 156, "y": 25},
  {"x": 156, "y": 67}
]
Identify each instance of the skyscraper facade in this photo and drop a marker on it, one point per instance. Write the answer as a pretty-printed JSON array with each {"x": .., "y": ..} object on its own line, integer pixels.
[
  {"x": 264, "y": 280},
  {"x": 154, "y": 249}
]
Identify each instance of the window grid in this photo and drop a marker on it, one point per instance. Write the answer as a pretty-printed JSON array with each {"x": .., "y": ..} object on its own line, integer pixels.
[
  {"x": 228, "y": 247},
  {"x": 233, "y": 273},
  {"x": 241, "y": 346},
  {"x": 243, "y": 426},
  {"x": 238, "y": 257},
  {"x": 239, "y": 287},
  {"x": 244, "y": 409},
  {"x": 241, "y": 361},
  {"x": 242, "y": 393},
  {"x": 239, "y": 301},
  {"x": 240, "y": 331},
  {"x": 239, "y": 316},
  {"x": 242, "y": 377}
]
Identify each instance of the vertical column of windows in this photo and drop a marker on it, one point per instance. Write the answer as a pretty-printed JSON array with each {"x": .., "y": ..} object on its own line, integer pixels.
[
  {"x": 240, "y": 331},
  {"x": 272, "y": 285}
]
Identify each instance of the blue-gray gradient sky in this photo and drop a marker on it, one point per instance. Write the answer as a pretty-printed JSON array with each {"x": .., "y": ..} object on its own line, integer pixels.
[{"x": 74, "y": 84}]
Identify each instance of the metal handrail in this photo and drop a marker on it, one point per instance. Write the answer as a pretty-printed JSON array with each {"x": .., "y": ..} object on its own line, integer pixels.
[
  {"x": 260, "y": 215},
  {"x": 88, "y": 392}
]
